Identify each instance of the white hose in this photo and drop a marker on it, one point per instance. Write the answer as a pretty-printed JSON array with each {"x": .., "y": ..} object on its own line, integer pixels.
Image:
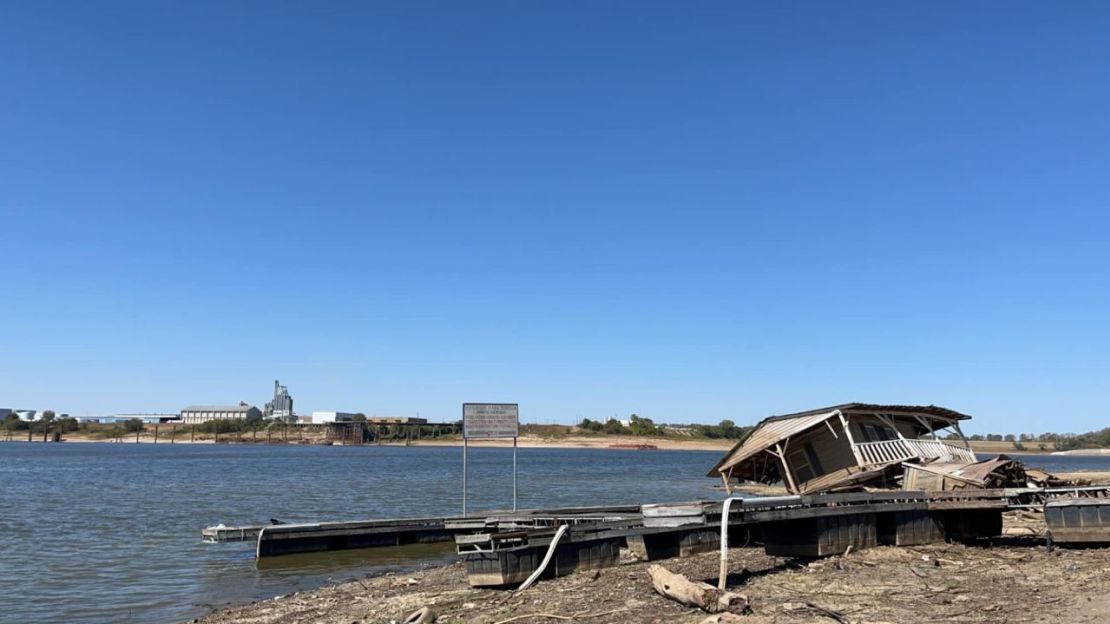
[
  {"x": 258, "y": 544},
  {"x": 546, "y": 559}
]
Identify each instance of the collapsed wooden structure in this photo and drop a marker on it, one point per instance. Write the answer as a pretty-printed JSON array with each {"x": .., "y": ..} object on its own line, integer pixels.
[
  {"x": 844, "y": 447},
  {"x": 996, "y": 472}
]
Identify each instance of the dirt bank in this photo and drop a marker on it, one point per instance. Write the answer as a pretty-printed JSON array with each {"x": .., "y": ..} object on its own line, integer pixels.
[
  {"x": 577, "y": 441},
  {"x": 528, "y": 441},
  {"x": 1010, "y": 580}
]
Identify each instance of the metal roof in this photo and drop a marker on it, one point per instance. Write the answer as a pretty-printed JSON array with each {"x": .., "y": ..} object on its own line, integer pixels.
[
  {"x": 871, "y": 408},
  {"x": 774, "y": 429},
  {"x": 219, "y": 408}
]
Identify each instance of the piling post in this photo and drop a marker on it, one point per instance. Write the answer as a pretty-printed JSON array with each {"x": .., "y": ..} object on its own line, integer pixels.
[
  {"x": 193, "y": 434},
  {"x": 173, "y": 432},
  {"x": 464, "y": 475},
  {"x": 156, "y": 434},
  {"x": 137, "y": 432}
]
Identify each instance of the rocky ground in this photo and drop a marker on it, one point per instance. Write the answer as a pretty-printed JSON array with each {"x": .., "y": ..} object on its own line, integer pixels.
[{"x": 1013, "y": 579}]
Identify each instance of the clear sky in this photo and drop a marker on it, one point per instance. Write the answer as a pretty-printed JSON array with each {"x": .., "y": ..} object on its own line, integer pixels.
[{"x": 691, "y": 211}]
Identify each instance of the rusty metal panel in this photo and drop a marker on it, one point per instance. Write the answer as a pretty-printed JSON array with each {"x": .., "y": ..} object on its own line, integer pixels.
[
  {"x": 1079, "y": 521},
  {"x": 819, "y": 537}
]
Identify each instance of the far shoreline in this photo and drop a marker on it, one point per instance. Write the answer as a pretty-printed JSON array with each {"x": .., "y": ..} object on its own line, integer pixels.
[
  {"x": 592, "y": 442},
  {"x": 615, "y": 443}
]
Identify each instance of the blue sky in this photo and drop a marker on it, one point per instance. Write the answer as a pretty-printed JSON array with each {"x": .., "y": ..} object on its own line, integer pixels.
[{"x": 691, "y": 212}]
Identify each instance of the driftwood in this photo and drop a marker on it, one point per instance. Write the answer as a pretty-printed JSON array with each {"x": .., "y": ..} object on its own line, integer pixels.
[
  {"x": 684, "y": 591},
  {"x": 723, "y": 618},
  {"x": 423, "y": 615},
  {"x": 574, "y": 616}
]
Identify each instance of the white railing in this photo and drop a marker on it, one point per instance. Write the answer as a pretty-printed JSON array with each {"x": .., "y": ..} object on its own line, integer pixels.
[
  {"x": 890, "y": 451},
  {"x": 942, "y": 451}
]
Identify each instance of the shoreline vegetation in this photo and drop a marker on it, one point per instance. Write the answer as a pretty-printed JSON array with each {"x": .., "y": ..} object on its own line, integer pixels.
[
  {"x": 693, "y": 438},
  {"x": 634, "y": 432}
]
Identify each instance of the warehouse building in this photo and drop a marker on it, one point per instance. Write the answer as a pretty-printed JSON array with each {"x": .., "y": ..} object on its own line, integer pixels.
[
  {"x": 204, "y": 413},
  {"x": 331, "y": 417}
]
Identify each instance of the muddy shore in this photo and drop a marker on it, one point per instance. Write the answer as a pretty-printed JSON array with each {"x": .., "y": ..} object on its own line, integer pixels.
[{"x": 1011, "y": 579}]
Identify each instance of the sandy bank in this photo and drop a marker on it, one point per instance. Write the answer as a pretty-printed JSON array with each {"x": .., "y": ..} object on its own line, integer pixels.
[
  {"x": 669, "y": 444},
  {"x": 1084, "y": 452},
  {"x": 600, "y": 442}
]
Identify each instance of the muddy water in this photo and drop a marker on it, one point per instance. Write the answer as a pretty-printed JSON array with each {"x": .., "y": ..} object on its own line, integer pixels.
[{"x": 111, "y": 532}]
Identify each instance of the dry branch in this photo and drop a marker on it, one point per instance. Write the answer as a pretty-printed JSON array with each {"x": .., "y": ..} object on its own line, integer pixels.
[
  {"x": 798, "y": 606},
  {"x": 553, "y": 616},
  {"x": 723, "y": 618},
  {"x": 424, "y": 615},
  {"x": 684, "y": 591}
]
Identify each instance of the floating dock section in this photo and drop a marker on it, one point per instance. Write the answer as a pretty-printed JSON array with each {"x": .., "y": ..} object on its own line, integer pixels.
[{"x": 505, "y": 548}]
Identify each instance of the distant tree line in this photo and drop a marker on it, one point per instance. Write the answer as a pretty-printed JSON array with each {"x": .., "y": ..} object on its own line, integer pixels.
[
  {"x": 636, "y": 426},
  {"x": 725, "y": 430},
  {"x": 62, "y": 424},
  {"x": 640, "y": 426},
  {"x": 1061, "y": 441}
]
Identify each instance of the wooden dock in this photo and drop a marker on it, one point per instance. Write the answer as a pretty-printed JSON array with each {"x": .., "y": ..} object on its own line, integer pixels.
[
  {"x": 504, "y": 548},
  {"x": 283, "y": 539}
]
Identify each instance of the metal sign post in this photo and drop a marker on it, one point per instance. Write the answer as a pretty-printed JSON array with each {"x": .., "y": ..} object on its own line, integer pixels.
[{"x": 490, "y": 420}]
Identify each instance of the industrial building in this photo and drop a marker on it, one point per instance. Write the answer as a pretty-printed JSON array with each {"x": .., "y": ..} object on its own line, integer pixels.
[
  {"x": 281, "y": 407},
  {"x": 396, "y": 420},
  {"x": 149, "y": 419},
  {"x": 203, "y": 413},
  {"x": 331, "y": 417}
]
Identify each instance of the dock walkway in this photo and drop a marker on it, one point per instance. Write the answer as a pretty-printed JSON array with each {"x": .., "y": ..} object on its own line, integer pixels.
[{"x": 503, "y": 548}]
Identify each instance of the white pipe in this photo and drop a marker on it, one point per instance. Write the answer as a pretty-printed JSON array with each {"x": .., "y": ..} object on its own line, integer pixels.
[
  {"x": 769, "y": 500},
  {"x": 258, "y": 545},
  {"x": 546, "y": 559},
  {"x": 724, "y": 540}
]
